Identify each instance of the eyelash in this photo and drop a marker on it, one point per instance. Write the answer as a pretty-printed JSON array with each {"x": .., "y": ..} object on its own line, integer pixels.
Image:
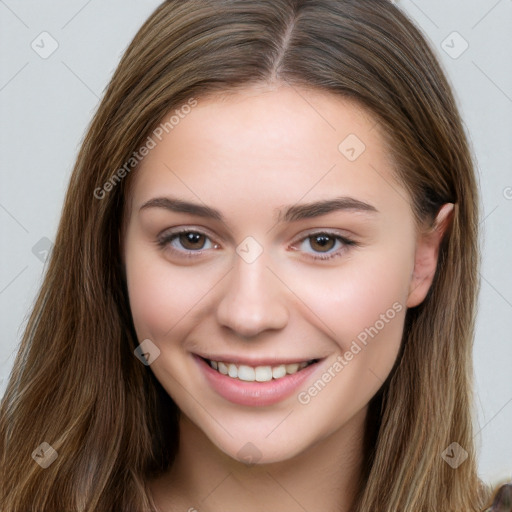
[{"x": 164, "y": 241}]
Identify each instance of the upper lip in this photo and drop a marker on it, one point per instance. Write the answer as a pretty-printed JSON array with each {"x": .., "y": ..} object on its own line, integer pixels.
[{"x": 257, "y": 361}]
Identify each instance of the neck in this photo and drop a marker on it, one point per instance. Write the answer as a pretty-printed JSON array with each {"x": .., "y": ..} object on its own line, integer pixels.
[{"x": 205, "y": 479}]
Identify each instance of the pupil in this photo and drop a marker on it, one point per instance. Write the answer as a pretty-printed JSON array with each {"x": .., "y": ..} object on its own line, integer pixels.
[
  {"x": 323, "y": 241},
  {"x": 191, "y": 239}
]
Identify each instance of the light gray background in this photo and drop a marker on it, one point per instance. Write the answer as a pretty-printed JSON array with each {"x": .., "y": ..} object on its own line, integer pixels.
[{"x": 47, "y": 103}]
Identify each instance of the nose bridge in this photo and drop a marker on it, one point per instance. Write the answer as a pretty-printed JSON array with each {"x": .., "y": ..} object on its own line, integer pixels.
[{"x": 252, "y": 300}]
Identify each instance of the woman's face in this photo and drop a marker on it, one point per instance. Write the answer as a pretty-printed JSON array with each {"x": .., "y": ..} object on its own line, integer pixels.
[{"x": 266, "y": 230}]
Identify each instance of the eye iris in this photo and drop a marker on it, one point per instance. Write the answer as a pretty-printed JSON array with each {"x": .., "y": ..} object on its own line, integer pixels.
[
  {"x": 325, "y": 242},
  {"x": 192, "y": 238}
]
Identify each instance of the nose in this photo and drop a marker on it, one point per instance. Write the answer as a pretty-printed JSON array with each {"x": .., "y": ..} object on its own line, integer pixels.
[{"x": 253, "y": 299}]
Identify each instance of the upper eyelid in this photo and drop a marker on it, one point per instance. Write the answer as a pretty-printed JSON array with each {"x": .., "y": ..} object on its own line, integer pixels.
[
  {"x": 300, "y": 238},
  {"x": 332, "y": 232},
  {"x": 179, "y": 230}
]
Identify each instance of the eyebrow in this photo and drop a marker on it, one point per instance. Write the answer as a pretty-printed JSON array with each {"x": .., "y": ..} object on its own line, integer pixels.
[{"x": 289, "y": 214}]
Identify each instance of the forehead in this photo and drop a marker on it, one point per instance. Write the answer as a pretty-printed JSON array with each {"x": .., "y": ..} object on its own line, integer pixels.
[{"x": 280, "y": 144}]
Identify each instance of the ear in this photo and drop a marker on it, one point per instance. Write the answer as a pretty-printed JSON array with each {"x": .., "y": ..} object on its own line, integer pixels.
[{"x": 426, "y": 256}]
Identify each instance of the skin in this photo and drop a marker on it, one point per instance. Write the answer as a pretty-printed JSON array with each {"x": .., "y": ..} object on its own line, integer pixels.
[{"x": 249, "y": 154}]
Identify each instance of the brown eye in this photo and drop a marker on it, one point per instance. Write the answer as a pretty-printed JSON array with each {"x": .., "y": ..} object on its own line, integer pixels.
[
  {"x": 192, "y": 241},
  {"x": 322, "y": 242},
  {"x": 186, "y": 242},
  {"x": 325, "y": 245}
]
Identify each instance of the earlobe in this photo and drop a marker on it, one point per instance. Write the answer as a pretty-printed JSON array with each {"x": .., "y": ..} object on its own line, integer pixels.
[{"x": 426, "y": 257}]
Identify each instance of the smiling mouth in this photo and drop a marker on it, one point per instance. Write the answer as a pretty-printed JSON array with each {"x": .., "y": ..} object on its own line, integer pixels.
[{"x": 257, "y": 373}]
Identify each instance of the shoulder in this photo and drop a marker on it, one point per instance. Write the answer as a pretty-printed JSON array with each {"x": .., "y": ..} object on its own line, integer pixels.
[{"x": 502, "y": 501}]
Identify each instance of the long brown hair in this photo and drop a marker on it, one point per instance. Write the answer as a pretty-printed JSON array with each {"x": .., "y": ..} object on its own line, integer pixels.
[{"x": 76, "y": 383}]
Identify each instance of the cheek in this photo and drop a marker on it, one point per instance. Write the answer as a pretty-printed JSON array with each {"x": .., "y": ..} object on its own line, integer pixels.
[
  {"x": 352, "y": 297},
  {"x": 361, "y": 308},
  {"x": 163, "y": 298}
]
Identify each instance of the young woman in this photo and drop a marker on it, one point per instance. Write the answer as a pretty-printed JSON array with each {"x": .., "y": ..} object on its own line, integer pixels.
[{"x": 262, "y": 292}]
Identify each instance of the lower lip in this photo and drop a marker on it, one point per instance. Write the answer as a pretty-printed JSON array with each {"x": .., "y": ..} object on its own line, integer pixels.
[{"x": 254, "y": 393}]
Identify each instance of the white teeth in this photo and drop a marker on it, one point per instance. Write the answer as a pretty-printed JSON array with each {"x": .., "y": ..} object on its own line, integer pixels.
[
  {"x": 259, "y": 373},
  {"x": 263, "y": 373},
  {"x": 245, "y": 373},
  {"x": 232, "y": 370},
  {"x": 279, "y": 371},
  {"x": 292, "y": 368}
]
